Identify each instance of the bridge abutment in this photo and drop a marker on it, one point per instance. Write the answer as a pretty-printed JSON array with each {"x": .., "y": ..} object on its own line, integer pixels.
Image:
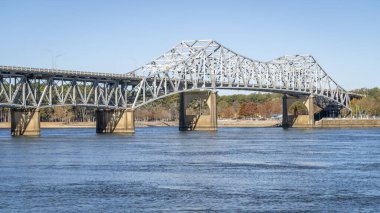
[
  {"x": 115, "y": 121},
  {"x": 25, "y": 122},
  {"x": 199, "y": 121}
]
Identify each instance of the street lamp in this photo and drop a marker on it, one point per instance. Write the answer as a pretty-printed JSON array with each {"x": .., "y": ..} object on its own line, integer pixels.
[
  {"x": 54, "y": 58},
  {"x": 54, "y": 61}
]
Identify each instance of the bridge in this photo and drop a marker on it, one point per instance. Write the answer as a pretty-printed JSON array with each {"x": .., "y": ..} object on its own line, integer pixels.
[{"x": 194, "y": 69}]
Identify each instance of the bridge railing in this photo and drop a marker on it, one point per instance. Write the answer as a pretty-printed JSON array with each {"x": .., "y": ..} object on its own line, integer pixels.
[{"x": 62, "y": 72}]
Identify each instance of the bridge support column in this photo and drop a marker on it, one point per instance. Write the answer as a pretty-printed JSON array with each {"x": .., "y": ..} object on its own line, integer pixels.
[
  {"x": 25, "y": 122},
  {"x": 213, "y": 119},
  {"x": 285, "y": 116},
  {"x": 115, "y": 121},
  {"x": 310, "y": 108},
  {"x": 200, "y": 121}
]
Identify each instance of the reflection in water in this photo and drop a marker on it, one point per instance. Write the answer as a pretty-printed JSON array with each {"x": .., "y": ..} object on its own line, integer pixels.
[{"x": 163, "y": 169}]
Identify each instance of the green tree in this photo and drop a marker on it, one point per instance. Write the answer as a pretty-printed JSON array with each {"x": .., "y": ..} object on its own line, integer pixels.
[{"x": 298, "y": 108}]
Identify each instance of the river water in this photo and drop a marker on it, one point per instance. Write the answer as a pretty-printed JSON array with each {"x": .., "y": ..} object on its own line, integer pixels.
[{"x": 162, "y": 169}]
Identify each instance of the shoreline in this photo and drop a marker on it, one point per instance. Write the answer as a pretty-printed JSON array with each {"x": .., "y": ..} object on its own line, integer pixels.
[
  {"x": 324, "y": 123},
  {"x": 221, "y": 123}
]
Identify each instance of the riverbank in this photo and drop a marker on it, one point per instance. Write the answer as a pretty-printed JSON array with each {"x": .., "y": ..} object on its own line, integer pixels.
[
  {"x": 324, "y": 123},
  {"x": 221, "y": 123},
  {"x": 348, "y": 123}
]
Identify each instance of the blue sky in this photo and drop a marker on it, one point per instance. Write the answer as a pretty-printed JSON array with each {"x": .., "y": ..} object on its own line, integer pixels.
[{"x": 118, "y": 36}]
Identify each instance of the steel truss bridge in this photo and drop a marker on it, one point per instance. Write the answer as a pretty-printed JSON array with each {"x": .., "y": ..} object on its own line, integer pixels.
[{"x": 190, "y": 65}]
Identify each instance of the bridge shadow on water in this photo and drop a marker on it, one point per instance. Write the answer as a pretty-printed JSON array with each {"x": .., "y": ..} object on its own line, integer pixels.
[{"x": 162, "y": 132}]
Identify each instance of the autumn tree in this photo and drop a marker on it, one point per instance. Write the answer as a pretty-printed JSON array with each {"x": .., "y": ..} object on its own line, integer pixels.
[
  {"x": 268, "y": 108},
  {"x": 228, "y": 112},
  {"x": 365, "y": 106},
  {"x": 236, "y": 108},
  {"x": 248, "y": 110},
  {"x": 63, "y": 114}
]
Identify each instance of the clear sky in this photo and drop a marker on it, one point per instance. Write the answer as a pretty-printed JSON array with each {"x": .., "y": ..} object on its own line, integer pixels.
[{"x": 118, "y": 36}]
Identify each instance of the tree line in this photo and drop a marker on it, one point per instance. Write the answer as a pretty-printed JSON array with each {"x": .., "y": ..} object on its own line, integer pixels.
[{"x": 367, "y": 106}]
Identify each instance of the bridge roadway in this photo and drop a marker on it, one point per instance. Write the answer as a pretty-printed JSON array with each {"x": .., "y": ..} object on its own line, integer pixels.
[{"x": 194, "y": 69}]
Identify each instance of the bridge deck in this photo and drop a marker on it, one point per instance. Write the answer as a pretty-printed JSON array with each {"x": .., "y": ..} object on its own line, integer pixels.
[{"x": 65, "y": 73}]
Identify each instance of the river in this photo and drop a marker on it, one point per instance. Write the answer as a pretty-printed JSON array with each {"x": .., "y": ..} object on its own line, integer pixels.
[{"x": 162, "y": 169}]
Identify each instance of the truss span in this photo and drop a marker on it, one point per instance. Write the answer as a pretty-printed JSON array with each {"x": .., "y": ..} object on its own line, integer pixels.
[
  {"x": 190, "y": 65},
  {"x": 24, "y": 87},
  {"x": 208, "y": 65}
]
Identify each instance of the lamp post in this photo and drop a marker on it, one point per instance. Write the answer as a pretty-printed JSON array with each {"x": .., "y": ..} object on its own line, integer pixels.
[
  {"x": 54, "y": 58},
  {"x": 54, "y": 61}
]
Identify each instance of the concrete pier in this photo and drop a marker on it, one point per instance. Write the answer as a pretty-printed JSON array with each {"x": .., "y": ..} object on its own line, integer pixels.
[
  {"x": 310, "y": 108},
  {"x": 199, "y": 121},
  {"x": 298, "y": 120},
  {"x": 285, "y": 116},
  {"x": 115, "y": 121},
  {"x": 306, "y": 120},
  {"x": 25, "y": 122}
]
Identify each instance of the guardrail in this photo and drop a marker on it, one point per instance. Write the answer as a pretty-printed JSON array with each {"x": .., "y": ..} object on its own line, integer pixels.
[{"x": 64, "y": 72}]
